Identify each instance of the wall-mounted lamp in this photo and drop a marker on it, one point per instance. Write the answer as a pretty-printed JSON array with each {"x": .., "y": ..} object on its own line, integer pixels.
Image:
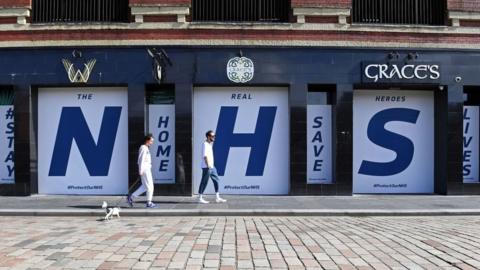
[
  {"x": 160, "y": 61},
  {"x": 412, "y": 56},
  {"x": 392, "y": 56},
  {"x": 77, "y": 54}
]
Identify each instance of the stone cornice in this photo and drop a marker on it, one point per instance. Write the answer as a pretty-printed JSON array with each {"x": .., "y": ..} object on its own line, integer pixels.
[
  {"x": 246, "y": 26},
  {"x": 244, "y": 43}
]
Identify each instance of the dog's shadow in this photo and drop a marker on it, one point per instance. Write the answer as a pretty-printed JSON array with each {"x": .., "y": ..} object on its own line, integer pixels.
[
  {"x": 86, "y": 206},
  {"x": 107, "y": 220}
]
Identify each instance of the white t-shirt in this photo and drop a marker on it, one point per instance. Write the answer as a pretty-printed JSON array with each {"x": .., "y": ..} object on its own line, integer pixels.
[
  {"x": 144, "y": 159},
  {"x": 207, "y": 151}
]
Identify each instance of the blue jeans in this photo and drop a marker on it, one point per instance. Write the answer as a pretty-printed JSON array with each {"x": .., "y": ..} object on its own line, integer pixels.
[{"x": 208, "y": 173}]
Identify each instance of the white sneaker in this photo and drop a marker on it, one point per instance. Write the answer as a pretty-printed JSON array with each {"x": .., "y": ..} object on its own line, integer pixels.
[
  {"x": 201, "y": 200},
  {"x": 220, "y": 200}
]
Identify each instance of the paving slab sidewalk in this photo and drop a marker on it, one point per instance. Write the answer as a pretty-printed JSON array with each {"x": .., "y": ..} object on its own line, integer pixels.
[{"x": 57, "y": 205}]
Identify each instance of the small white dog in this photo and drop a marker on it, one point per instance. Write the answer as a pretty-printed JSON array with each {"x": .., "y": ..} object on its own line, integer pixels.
[{"x": 110, "y": 211}]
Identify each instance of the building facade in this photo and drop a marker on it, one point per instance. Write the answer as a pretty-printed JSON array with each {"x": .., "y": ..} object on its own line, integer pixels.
[{"x": 307, "y": 97}]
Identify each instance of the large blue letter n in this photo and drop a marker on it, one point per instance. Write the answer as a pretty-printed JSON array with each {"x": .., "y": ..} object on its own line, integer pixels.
[
  {"x": 97, "y": 156},
  {"x": 258, "y": 141}
]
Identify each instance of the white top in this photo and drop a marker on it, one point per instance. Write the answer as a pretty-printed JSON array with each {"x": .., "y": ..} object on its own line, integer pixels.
[
  {"x": 144, "y": 159},
  {"x": 207, "y": 151}
]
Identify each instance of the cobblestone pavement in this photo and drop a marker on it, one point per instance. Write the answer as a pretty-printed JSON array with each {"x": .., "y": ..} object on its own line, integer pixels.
[{"x": 240, "y": 243}]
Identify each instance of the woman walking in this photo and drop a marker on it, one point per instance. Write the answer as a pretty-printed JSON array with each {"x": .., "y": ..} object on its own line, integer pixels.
[{"x": 145, "y": 172}]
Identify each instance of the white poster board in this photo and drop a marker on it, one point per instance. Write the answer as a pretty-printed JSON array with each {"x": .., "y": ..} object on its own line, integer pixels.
[
  {"x": 7, "y": 167},
  {"x": 161, "y": 123},
  {"x": 83, "y": 140},
  {"x": 319, "y": 144},
  {"x": 470, "y": 144},
  {"x": 393, "y": 141},
  {"x": 257, "y": 164}
]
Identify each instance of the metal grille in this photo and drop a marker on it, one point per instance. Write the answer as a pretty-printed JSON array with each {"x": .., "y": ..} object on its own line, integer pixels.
[
  {"x": 421, "y": 12},
  {"x": 51, "y": 11},
  {"x": 241, "y": 10}
]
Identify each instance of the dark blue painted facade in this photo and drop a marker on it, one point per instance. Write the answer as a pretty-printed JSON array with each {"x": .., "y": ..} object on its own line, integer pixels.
[
  {"x": 207, "y": 65},
  {"x": 339, "y": 70}
]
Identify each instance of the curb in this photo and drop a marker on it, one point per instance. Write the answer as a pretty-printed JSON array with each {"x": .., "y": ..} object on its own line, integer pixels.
[{"x": 242, "y": 212}]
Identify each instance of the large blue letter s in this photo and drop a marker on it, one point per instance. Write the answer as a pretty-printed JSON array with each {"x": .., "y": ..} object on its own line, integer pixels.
[{"x": 393, "y": 141}]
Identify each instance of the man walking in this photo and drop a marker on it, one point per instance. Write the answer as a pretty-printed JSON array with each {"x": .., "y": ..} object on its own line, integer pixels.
[
  {"x": 208, "y": 168},
  {"x": 145, "y": 172}
]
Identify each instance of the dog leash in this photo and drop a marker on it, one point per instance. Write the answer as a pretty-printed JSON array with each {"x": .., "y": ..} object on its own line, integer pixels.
[{"x": 128, "y": 191}]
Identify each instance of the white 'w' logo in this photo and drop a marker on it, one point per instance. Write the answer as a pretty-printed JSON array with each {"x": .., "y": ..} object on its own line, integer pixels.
[{"x": 77, "y": 75}]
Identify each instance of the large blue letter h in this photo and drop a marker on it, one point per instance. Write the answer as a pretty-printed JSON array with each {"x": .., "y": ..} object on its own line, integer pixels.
[
  {"x": 258, "y": 141},
  {"x": 97, "y": 156}
]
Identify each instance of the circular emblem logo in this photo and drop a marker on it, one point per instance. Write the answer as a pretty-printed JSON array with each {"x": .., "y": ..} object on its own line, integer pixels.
[{"x": 240, "y": 69}]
